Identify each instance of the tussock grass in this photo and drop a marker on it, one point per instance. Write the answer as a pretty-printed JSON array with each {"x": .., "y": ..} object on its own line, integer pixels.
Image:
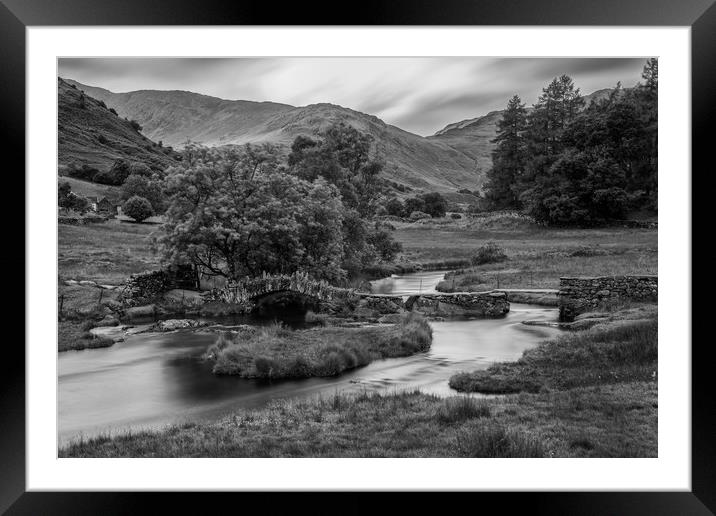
[
  {"x": 615, "y": 352},
  {"x": 462, "y": 408},
  {"x": 496, "y": 441},
  {"x": 278, "y": 352}
]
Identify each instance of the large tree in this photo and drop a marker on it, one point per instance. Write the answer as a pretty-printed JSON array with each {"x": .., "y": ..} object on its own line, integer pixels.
[
  {"x": 508, "y": 158},
  {"x": 590, "y": 165},
  {"x": 232, "y": 220},
  {"x": 344, "y": 159},
  {"x": 148, "y": 188}
]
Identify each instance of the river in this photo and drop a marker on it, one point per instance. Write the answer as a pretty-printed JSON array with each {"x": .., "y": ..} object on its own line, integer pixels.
[{"x": 151, "y": 380}]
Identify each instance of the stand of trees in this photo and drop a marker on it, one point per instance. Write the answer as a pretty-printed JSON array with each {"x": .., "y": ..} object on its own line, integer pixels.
[
  {"x": 241, "y": 211},
  {"x": 566, "y": 164}
]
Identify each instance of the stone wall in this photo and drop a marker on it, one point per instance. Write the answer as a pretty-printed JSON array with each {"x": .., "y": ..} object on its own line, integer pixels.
[
  {"x": 490, "y": 304},
  {"x": 579, "y": 295},
  {"x": 143, "y": 287}
]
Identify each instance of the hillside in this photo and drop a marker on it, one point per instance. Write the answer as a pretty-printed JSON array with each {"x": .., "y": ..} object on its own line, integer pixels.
[
  {"x": 175, "y": 116},
  {"x": 90, "y": 134}
]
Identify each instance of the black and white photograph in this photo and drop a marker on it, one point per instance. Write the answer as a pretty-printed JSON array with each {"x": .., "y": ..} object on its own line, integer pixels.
[{"x": 327, "y": 257}]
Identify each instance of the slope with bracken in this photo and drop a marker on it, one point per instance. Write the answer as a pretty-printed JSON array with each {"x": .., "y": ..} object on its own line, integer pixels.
[{"x": 90, "y": 134}]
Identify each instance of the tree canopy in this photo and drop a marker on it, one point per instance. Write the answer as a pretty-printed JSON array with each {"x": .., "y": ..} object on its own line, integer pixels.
[{"x": 567, "y": 164}]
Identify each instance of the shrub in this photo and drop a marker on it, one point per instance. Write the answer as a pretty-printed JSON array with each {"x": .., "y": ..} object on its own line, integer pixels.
[
  {"x": 381, "y": 211},
  {"x": 141, "y": 186},
  {"x": 490, "y": 253},
  {"x": 101, "y": 139},
  {"x": 138, "y": 208},
  {"x": 414, "y": 204},
  {"x": 135, "y": 125},
  {"x": 139, "y": 169},
  {"x": 395, "y": 207},
  {"x": 418, "y": 215},
  {"x": 455, "y": 216},
  {"x": 116, "y": 175},
  {"x": 384, "y": 245},
  {"x": 113, "y": 111},
  {"x": 435, "y": 204}
]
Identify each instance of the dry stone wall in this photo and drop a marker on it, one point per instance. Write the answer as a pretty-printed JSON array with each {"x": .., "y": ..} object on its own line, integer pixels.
[
  {"x": 583, "y": 294},
  {"x": 490, "y": 304}
]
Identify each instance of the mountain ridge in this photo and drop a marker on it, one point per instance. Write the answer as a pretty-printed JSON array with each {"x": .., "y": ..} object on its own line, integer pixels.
[
  {"x": 173, "y": 117},
  {"x": 455, "y": 157}
]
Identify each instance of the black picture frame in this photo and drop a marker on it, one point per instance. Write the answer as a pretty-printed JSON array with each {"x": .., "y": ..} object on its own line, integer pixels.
[{"x": 17, "y": 15}]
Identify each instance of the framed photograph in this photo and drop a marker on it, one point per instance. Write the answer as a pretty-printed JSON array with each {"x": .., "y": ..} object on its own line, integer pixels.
[{"x": 430, "y": 248}]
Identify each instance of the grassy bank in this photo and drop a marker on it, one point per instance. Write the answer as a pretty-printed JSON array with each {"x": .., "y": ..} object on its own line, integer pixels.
[
  {"x": 75, "y": 335},
  {"x": 277, "y": 352},
  {"x": 618, "y": 351},
  {"x": 598, "y": 421}
]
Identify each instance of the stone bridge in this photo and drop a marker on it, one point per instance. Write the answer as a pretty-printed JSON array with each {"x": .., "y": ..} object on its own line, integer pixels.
[{"x": 325, "y": 298}]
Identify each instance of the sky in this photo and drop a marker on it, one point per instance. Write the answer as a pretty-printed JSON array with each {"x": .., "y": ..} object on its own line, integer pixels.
[{"x": 417, "y": 94}]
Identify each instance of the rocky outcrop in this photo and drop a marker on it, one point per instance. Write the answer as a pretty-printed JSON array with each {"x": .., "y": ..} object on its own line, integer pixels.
[{"x": 584, "y": 294}]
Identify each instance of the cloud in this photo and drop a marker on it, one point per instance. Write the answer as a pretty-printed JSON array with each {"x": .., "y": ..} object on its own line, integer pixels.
[{"x": 417, "y": 94}]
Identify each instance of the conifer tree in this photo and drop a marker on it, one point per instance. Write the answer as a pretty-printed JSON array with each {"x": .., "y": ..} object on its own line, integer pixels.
[{"x": 508, "y": 158}]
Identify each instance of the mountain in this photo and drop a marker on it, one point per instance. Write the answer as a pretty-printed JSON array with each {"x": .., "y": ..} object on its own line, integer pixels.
[
  {"x": 456, "y": 157},
  {"x": 175, "y": 116},
  {"x": 172, "y": 117},
  {"x": 473, "y": 136},
  {"x": 90, "y": 134}
]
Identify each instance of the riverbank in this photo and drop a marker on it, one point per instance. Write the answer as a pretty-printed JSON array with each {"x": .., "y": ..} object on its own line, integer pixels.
[
  {"x": 620, "y": 349},
  {"x": 277, "y": 352},
  {"x": 601, "y": 421},
  {"x": 585, "y": 414}
]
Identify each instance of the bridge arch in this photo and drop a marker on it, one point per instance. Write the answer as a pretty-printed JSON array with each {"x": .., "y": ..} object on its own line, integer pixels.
[{"x": 284, "y": 302}]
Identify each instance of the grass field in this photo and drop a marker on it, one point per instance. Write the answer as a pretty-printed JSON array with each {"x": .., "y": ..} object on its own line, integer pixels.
[
  {"x": 537, "y": 256},
  {"x": 277, "y": 352},
  {"x": 107, "y": 252}
]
